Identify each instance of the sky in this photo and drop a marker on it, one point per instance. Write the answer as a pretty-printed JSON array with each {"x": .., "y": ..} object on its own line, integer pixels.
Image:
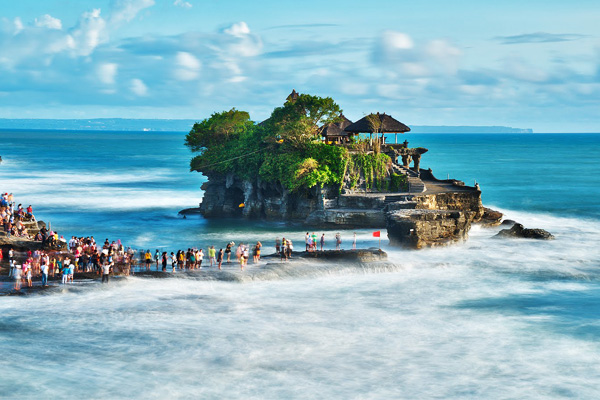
[{"x": 527, "y": 64}]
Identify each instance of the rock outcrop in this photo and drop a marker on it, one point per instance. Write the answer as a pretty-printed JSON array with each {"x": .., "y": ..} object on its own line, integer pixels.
[
  {"x": 518, "y": 231},
  {"x": 439, "y": 212},
  {"x": 490, "y": 218},
  {"x": 427, "y": 228}
]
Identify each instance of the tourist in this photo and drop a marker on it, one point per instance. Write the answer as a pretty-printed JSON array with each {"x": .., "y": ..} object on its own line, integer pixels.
[
  {"x": 314, "y": 241},
  {"x": 283, "y": 250},
  {"x": 256, "y": 252},
  {"x": 322, "y": 241},
  {"x": 157, "y": 258},
  {"x": 105, "y": 272},
  {"x": 241, "y": 258},
  {"x": 338, "y": 241},
  {"x": 200, "y": 258},
  {"x": 212, "y": 255},
  {"x": 228, "y": 250},
  {"x": 164, "y": 261},
  {"x": 290, "y": 248},
  {"x": 181, "y": 260},
  {"x": 65, "y": 271},
  {"x": 27, "y": 267},
  {"x": 148, "y": 258},
  {"x": 277, "y": 245},
  {"x": 17, "y": 275},
  {"x": 192, "y": 259},
  {"x": 173, "y": 261},
  {"x": 44, "y": 269},
  {"x": 71, "y": 271},
  {"x": 307, "y": 242},
  {"x": 220, "y": 258},
  {"x": 354, "y": 242},
  {"x": 238, "y": 252},
  {"x": 246, "y": 254}
]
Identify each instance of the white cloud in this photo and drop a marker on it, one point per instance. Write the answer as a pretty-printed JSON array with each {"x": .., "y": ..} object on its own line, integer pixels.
[
  {"x": 182, "y": 4},
  {"x": 107, "y": 73},
  {"x": 188, "y": 66},
  {"x": 396, "y": 41},
  {"x": 89, "y": 33},
  {"x": 18, "y": 25},
  {"x": 138, "y": 87},
  {"x": 48, "y": 21},
  {"x": 239, "y": 29},
  {"x": 126, "y": 10}
]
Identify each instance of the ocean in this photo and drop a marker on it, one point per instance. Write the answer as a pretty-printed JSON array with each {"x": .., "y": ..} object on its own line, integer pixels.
[{"x": 490, "y": 318}]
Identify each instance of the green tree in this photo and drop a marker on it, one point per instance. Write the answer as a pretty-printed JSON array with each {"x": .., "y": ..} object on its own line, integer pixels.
[
  {"x": 219, "y": 129},
  {"x": 300, "y": 120}
]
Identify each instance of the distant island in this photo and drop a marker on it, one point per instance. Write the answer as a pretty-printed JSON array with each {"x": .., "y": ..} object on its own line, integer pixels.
[{"x": 184, "y": 125}]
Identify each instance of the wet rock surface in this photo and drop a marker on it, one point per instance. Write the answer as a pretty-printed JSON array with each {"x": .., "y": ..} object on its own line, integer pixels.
[{"x": 518, "y": 231}]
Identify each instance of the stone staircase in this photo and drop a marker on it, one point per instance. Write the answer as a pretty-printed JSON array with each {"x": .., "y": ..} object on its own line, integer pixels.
[{"x": 415, "y": 184}]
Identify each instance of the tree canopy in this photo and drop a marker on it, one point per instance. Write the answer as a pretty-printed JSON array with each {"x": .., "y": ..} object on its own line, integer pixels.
[{"x": 286, "y": 148}]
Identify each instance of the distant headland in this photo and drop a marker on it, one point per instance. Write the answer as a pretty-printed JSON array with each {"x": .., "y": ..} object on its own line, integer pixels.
[{"x": 184, "y": 125}]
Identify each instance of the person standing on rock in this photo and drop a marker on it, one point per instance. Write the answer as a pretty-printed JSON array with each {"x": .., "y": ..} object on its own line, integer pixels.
[
  {"x": 338, "y": 241},
  {"x": 228, "y": 250},
  {"x": 277, "y": 245},
  {"x": 238, "y": 252},
  {"x": 354, "y": 242},
  {"x": 17, "y": 275},
  {"x": 290, "y": 248},
  {"x": 257, "y": 252},
  {"x": 173, "y": 261},
  {"x": 307, "y": 242},
  {"x": 148, "y": 257},
  {"x": 105, "y": 272},
  {"x": 157, "y": 258},
  {"x": 322, "y": 241},
  {"x": 212, "y": 255},
  {"x": 164, "y": 261},
  {"x": 220, "y": 258},
  {"x": 200, "y": 258},
  {"x": 44, "y": 269}
]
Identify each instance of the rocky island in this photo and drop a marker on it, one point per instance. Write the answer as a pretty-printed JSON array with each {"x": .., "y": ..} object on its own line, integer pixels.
[{"x": 309, "y": 163}]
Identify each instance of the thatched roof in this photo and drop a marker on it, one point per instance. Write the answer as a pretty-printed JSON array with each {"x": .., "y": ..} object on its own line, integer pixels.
[
  {"x": 337, "y": 128},
  {"x": 388, "y": 125}
]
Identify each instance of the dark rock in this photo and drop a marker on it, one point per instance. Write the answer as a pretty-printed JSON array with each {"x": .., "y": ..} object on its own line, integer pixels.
[
  {"x": 189, "y": 211},
  {"x": 518, "y": 231},
  {"x": 491, "y": 217},
  {"x": 359, "y": 255},
  {"x": 508, "y": 222}
]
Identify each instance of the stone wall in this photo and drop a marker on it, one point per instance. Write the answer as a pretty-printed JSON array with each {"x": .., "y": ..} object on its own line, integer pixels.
[{"x": 460, "y": 200}]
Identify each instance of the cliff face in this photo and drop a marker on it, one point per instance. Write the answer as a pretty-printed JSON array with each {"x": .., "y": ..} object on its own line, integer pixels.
[
  {"x": 428, "y": 228},
  {"x": 229, "y": 196},
  {"x": 441, "y": 214}
]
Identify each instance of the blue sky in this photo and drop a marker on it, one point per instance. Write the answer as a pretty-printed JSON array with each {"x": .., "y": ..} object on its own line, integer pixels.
[{"x": 529, "y": 64}]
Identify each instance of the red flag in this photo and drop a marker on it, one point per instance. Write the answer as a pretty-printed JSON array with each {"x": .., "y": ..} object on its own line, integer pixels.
[{"x": 377, "y": 234}]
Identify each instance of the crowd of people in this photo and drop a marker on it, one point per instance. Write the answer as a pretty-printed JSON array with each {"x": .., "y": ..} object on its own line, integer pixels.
[
  {"x": 13, "y": 217},
  {"x": 82, "y": 254}
]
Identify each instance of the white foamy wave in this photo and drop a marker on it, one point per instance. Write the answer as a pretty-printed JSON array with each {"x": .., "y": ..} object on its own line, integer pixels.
[
  {"x": 102, "y": 191},
  {"x": 341, "y": 336}
]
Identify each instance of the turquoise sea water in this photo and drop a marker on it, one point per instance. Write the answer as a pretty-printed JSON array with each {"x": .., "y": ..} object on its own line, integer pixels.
[{"x": 486, "y": 319}]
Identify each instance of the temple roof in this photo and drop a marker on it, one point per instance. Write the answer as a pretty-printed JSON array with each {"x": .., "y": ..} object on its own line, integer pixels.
[
  {"x": 337, "y": 128},
  {"x": 388, "y": 125}
]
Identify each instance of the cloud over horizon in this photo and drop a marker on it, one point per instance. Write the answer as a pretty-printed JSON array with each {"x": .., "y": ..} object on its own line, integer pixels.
[{"x": 92, "y": 63}]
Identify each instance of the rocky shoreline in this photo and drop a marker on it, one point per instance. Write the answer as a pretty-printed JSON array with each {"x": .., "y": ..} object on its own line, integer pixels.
[{"x": 269, "y": 267}]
